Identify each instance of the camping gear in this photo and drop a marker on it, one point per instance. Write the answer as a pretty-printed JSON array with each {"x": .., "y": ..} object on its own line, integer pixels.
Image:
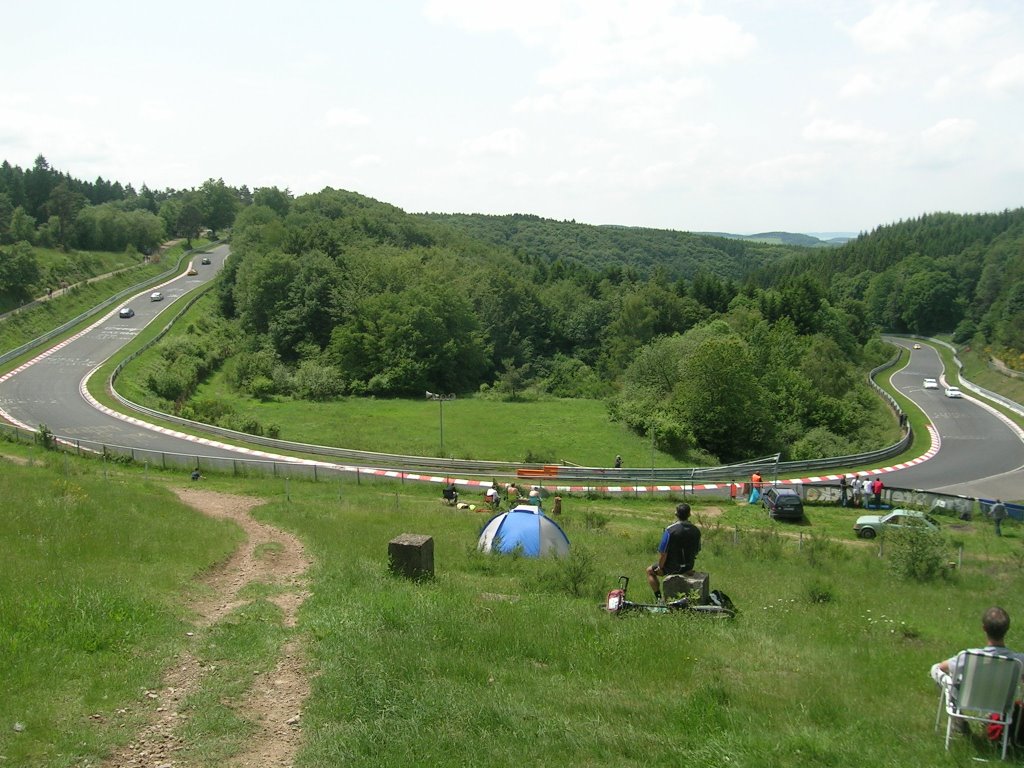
[
  {"x": 525, "y": 529},
  {"x": 720, "y": 607}
]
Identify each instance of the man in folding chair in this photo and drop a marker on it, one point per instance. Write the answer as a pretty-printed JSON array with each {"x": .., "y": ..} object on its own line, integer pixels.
[{"x": 952, "y": 677}]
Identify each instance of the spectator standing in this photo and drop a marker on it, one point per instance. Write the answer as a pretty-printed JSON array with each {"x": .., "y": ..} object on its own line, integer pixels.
[
  {"x": 876, "y": 491},
  {"x": 844, "y": 490},
  {"x": 618, "y": 462},
  {"x": 998, "y": 513}
]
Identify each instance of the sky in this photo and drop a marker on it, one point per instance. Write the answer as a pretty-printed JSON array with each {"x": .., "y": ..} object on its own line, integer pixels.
[{"x": 736, "y": 116}]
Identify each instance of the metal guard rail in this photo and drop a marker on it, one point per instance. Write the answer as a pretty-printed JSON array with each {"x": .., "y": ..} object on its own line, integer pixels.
[{"x": 116, "y": 298}]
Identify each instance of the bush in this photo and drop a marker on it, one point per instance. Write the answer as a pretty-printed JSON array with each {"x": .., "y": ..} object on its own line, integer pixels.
[
  {"x": 819, "y": 592},
  {"x": 761, "y": 545},
  {"x": 573, "y": 574},
  {"x": 916, "y": 553}
]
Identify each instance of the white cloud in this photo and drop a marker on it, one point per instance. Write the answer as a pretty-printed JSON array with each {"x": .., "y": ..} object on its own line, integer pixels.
[
  {"x": 907, "y": 25},
  {"x": 859, "y": 85},
  {"x": 948, "y": 135},
  {"x": 505, "y": 141},
  {"x": 1008, "y": 75},
  {"x": 783, "y": 171},
  {"x": 845, "y": 133},
  {"x": 596, "y": 40},
  {"x": 367, "y": 161},
  {"x": 942, "y": 145},
  {"x": 157, "y": 111},
  {"x": 338, "y": 117}
]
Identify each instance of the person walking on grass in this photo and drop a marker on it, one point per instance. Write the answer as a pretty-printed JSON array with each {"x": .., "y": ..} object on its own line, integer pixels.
[{"x": 677, "y": 550}]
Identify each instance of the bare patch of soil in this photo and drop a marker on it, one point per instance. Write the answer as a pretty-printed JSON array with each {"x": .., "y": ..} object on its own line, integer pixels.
[{"x": 268, "y": 556}]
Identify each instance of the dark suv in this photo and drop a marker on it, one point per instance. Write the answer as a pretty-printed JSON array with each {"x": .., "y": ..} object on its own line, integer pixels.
[{"x": 783, "y": 503}]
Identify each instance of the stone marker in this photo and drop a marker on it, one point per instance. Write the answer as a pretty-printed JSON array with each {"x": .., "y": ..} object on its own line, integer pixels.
[
  {"x": 411, "y": 555},
  {"x": 676, "y": 584}
]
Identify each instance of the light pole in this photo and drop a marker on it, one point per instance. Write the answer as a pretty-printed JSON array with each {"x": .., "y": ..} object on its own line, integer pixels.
[{"x": 440, "y": 403}]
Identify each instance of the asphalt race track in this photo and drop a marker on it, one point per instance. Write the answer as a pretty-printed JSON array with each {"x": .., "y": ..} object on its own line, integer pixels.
[
  {"x": 981, "y": 453},
  {"x": 48, "y": 390}
]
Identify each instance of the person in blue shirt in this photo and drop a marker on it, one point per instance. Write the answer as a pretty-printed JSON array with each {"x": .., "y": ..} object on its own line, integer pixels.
[{"x": 677, "y": 551}]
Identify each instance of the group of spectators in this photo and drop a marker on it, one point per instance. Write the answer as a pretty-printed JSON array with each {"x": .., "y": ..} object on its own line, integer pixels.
[{"x": 860, "y": 491}]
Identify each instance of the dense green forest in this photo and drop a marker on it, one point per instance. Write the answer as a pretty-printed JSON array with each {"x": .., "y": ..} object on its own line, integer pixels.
[
  {"x": 633, "y": 250},
  {"x": 343, "y": 295},
  {"x": 714, "y": 347},
  {"x": 43, "y": 207},
  {"x": 940, "y": 273}
]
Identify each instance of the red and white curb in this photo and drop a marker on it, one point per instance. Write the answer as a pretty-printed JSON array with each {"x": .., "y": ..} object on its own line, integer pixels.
[{"x": 416, "y": 477}]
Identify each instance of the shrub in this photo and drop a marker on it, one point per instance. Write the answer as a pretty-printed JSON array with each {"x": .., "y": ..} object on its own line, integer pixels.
[
  {"x": 761, "y": 545},
  {"x": 574, "y": 574},
  {"x": 44, "y": 437},
  {"x": 820, "y": 550},
  {"x": 314, "y": 381},
  {"x": 819, "y": 592},
  {"x": 916, "y": 553}
]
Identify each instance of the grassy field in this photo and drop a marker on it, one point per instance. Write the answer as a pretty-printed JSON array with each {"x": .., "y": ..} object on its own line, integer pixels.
[{"x": 498, "y": 660}]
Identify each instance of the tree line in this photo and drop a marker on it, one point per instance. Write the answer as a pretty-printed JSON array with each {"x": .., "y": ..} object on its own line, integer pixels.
[
  {"x": 716, "y": 348},
  {"x": 43, "y": 207},
  {"x": 334, "y": 294}
]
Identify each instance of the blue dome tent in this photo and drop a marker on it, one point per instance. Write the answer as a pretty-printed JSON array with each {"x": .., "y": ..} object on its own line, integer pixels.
[{"x": 526, "y": 528}]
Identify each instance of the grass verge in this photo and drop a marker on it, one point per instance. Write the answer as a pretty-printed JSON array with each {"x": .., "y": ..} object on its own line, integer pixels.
[{"x": 496, "y": 660}]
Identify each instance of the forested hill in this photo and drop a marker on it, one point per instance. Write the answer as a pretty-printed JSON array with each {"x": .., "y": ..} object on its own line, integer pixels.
[
  {"x": 603, "y": 248},
  {"x": 941, "y": 272}
]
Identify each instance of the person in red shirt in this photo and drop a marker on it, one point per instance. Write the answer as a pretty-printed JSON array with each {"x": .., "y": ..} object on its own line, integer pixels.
[{"x": 876, "y": 490}]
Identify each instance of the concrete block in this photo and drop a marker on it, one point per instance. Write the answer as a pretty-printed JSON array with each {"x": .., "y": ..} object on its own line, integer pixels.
[
  {"x": 411, "y": 555},
  {"x": 676, "y": 585}
]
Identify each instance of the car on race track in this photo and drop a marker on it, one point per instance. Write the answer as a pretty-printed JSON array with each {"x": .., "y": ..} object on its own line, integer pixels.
[
  {"x": 917, "y": 346},
  {"x": 156, "y": 296},
  {"x": 205, "y": 260},
  {"x": 126, "y": 312},
  {"x": 931, "y": 383},
  {"x": 953, "y": 392},
  {"x": 869, "y": 526}
]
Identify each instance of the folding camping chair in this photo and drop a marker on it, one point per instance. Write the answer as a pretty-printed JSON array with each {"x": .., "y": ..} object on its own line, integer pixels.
[{"x": 986, "y": 685}]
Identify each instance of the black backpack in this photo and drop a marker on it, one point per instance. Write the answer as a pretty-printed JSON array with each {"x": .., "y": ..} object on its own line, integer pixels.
[{"x": 722, "y": 600}]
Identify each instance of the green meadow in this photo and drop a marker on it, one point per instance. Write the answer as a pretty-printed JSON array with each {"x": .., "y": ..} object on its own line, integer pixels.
[{"x": 497, "y": 660}]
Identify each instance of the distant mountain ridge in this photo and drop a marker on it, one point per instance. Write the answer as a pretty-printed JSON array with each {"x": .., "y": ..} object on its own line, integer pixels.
[{"x": 808, "y": 240}]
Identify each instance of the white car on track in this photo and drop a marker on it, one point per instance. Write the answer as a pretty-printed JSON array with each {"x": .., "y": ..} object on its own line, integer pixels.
[
  {"x": 953, "y": 392},
  {"x": 931, "y": 383}
]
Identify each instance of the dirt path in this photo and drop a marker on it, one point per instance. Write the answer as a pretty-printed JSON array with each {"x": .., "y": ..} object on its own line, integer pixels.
[{"x": 268, "y": 556}]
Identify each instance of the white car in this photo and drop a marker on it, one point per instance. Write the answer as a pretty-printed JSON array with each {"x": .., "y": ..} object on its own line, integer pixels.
[
  {"x": 917, "y": 346},
  {"x": 953, "y": 392},
  {"x": 931, "y": 383},
  {"x": 156, "y": 296}
]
